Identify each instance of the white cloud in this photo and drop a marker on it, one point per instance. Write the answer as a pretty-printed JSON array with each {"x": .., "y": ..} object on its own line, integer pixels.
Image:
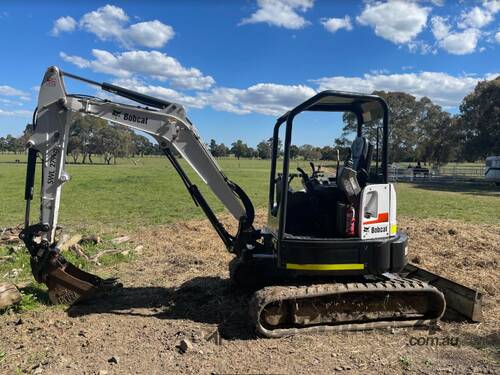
[
  {"x": 440, "y": 27},
  {"x": 461, "y": 43},
  {"x": 265, "y": 98},
  {"x": 475, "y": 18},
  {"x": 9, "y": 102},
  {"x": 16, "y": 113},
  {"x": 11, "y": 91},
  {"x": 161, "y": 92},
  {"x": 152, "y": 34},
  {"x": 457, "y": 43},
  {"x": 471, "y": 21},
  {"x": 106, "y": 22},
  {"x": 334, "y": 24},
  {"x": 497, "y": 37},
  {"x": 110, "y": 23},
  {"x": 63, "y": 24},
  {"x": 75, "y": 60},
  {"x": 419, "y": 46},
  {"x": 492, "y": 5},
  {"x": 152, "y": 64},
  {"x": 281, "y": 13},
  {"x": 442, "y": 88},
  {"x": 397, "y": 21}
]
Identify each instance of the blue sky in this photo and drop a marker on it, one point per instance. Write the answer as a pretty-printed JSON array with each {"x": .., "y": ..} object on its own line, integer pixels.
[{"x": 237, "y": 65}]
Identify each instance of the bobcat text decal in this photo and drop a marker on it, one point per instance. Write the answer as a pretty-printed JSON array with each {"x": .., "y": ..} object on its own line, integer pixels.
[{"x": 135, "y": 118}]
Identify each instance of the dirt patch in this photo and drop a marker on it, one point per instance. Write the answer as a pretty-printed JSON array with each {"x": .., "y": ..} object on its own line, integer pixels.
[{"x": 178, "y": 289}]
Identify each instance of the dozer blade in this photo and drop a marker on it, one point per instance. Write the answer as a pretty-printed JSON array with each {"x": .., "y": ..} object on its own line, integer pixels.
[
  {"x": 69, "y": 284},
  {"x": 461, "y": 301},
  {"x": 286, "y": 310}
]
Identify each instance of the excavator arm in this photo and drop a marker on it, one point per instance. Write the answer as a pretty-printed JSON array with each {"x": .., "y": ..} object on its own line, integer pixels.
[{"x": 165, "y": 121}]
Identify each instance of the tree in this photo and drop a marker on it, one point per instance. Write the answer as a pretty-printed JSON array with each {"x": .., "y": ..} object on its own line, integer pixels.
[
  {"x": 264, "y": 150},
  {"x": 142, "y": 145},
  {"x": 12, "y": 144},
  {"x": 3, "y": 144},
  {"x": 294, "y": 151},
  {"x": 437, "y": 134},
  {"x": 309, "y": 152},
  {"x": 251, "y": 153},
  {"x": 218, "y": 150},
  {"x": 86, "y": 130},
  {"x": 213, "y": 147},
  {"x": 222, "y": 150},
  {"x": 418, "y": 129},
  {"x": 113, "y": 142},
  {"x": 480, "y": 120},
  {"x": 239, "y": 149},
  {"x": 328, "y": 153}
]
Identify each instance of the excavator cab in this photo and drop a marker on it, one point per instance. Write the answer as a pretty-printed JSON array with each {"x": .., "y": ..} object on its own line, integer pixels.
[{"x": 343, "y": 224}]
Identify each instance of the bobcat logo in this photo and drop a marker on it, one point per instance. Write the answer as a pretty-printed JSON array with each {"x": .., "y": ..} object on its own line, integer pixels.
[{"x": 116, "y": 114}]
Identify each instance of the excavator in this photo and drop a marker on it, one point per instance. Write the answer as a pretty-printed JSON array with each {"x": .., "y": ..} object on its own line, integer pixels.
[{"x": 331, "y": 256}]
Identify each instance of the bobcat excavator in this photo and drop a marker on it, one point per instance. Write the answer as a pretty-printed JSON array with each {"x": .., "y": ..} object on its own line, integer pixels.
[{"x": 331, "y": 256}]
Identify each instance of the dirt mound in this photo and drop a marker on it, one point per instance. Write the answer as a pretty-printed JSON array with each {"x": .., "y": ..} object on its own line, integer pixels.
[{"x": 178, "y": 289}]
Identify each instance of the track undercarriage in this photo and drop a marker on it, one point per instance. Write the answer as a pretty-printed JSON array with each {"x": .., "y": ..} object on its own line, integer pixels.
[
  {"x": 286, "y": 310},
  {"x": 283, "y": 305}
]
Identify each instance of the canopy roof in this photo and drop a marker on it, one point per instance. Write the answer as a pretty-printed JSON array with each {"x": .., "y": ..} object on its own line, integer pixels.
[{"x": 369, "y": 107}]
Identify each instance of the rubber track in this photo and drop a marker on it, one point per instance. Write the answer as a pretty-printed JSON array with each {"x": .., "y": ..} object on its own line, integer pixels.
[{"x": 271, "y": 294}]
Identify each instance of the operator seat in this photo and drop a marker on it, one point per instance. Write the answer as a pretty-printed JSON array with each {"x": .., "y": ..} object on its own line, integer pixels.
[{"x": 361, "y": 153}]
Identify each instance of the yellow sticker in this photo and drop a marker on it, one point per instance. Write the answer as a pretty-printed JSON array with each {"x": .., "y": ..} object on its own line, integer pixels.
[{"x": 326, "y": 267}]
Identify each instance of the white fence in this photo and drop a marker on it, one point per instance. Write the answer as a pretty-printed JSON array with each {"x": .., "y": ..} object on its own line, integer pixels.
[{"x": 472, "y": 173}]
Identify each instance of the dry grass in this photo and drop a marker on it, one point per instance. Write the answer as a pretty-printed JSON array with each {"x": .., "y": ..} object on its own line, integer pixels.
[{"x": 178, "y": 288}]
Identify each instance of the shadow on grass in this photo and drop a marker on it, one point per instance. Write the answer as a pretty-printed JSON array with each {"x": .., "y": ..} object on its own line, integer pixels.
[
  {"x": 472, "y": 188},
  {"x": 210, "y": 300}
]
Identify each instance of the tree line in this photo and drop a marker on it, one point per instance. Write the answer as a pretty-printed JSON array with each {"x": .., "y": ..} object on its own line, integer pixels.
[
  {"x": 419, "y": 130},
  {"x": 240, "y": 149}
]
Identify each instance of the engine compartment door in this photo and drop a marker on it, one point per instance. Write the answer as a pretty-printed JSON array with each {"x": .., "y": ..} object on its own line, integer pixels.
[{"x": 374, "y": 211}]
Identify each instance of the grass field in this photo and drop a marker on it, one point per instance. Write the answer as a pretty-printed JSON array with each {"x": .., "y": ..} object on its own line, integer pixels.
[{"x": 127, "y": 195}]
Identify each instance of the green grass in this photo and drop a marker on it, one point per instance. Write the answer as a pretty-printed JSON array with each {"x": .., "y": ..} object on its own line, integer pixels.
[
  {"x": 128, "y": 197},
  {"x": 405, "y": 362},
  {"x": 465, "y": 202}
]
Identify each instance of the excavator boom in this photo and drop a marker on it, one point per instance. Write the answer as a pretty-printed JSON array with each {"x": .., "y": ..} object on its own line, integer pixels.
[{"x": 165, "y": 121}]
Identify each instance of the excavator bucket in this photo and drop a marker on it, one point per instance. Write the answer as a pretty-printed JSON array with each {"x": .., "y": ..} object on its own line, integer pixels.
[
  {"x": 66, "y": 282},
  {"x": 69, "y": 284}
]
